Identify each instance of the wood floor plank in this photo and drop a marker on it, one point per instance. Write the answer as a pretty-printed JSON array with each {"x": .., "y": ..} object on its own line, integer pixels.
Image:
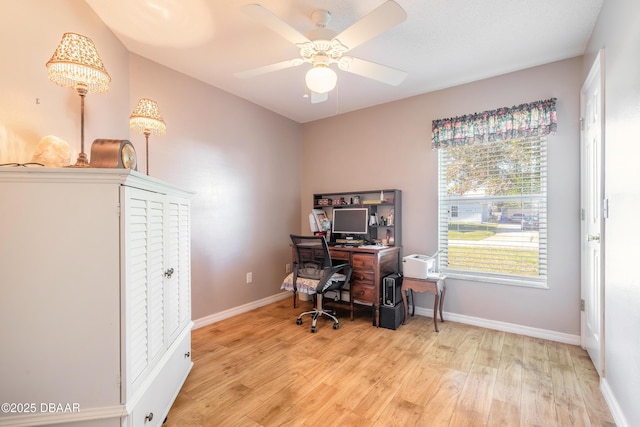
[
  {"x": 570, "y": 407},
  {"x": 260, "y": 369},
  {"x": 400, "y": 412},
  {"x": 538, "y": 407},
  {"x": 508, "y": 388},
  {"x": 474, "y": 403},
  {"x": 442, "y": 405},
  {"x": 420, "y": 386},
  {"x": 503, "y": 414}
]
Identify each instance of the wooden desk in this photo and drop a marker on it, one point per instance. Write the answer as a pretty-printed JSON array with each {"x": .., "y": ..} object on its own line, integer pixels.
[
  {"x": 370, "y": 265},
  {"x": 424, "y": 285}
]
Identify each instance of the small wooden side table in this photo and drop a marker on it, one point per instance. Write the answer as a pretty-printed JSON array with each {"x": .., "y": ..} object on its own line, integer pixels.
[{"x": 434, "y": 286}]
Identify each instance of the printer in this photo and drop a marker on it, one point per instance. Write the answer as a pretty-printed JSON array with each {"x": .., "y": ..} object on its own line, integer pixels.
[{"x": 420, "y": 266}]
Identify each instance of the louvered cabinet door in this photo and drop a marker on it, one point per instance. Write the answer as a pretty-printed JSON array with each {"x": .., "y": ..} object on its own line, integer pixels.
[
  {"x": 143, "y": 235},
  {"x": 178, "y": 267}
]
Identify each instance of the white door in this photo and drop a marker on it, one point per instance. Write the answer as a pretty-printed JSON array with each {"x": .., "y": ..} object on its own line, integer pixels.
[{"x": 591, "y": 153}]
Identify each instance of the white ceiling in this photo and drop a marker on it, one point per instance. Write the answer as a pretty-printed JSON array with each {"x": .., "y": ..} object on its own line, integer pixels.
[{"x": 442, "y": 43}]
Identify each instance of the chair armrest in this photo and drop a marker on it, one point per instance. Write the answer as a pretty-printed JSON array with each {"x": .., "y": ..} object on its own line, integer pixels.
[{"x": 326, "y": 283}]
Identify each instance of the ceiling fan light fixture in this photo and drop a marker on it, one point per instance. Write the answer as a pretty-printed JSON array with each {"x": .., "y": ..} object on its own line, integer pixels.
[{"x": 321, "y": 78}]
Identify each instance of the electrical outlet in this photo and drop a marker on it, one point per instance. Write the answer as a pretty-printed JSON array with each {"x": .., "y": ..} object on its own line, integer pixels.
[
  {"x": 249, "y": 277},
  {"x": 287, "y": 268}
]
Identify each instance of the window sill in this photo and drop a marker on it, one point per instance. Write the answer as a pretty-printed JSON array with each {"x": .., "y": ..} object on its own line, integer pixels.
[{"x": 497, "y": 280}]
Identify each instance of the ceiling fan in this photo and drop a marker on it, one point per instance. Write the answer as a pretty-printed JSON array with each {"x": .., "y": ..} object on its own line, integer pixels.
[{"x": 322, "y": 47}]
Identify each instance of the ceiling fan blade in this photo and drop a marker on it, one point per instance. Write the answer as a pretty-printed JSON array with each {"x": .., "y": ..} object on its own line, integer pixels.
[
  {"x": 319, "y": 97},
  {"x": 386, "y": 16},
  {"x": 273, "y": 22},
  {"x": 382, "y": 73},
  {"x": 268, "y": 68}
]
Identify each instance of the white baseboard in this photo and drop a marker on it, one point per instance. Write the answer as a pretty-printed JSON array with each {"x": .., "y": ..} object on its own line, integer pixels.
[
  {"x": 84, "y": 416},
  {"x": 216, "y": 317},
  {"x": 505, "y": 327},
  {"x": 612, "y": 402}
]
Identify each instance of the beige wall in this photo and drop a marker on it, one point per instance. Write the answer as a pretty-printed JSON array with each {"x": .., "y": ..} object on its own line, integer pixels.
[
  {"x": 389, "y": 146},
  {"x": 242, "y": 162},
  {"x": 618, "y": 32}
]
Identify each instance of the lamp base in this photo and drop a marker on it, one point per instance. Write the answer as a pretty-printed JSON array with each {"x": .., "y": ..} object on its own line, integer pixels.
[{"x": 82, "y": 162}]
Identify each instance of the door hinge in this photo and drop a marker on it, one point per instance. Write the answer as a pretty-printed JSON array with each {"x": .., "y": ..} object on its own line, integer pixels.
[
  {"x": 605, "y": 208},
  {"x": 581, "y": 305}
]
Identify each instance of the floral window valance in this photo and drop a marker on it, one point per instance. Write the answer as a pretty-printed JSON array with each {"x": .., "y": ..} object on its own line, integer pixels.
[{"x": 533, "y": 119}]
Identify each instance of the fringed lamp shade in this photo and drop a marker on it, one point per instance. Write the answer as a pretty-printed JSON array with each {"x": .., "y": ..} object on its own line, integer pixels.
[
  {"x": 76, "y": 63},
  {"x": 147, "y": 117}
]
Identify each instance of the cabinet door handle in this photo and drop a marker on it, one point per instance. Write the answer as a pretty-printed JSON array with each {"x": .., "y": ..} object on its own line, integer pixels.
[
  {"x": 187, "y": 354},
  {"x": 149, "y": 417},
  {"x": 169, "y": 273}
]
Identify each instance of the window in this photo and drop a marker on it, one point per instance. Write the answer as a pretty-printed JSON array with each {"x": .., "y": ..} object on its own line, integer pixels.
[{"x": 493, "y": 210}]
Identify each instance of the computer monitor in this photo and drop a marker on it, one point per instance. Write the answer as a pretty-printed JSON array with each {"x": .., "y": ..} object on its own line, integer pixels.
[{"x": 350, "y": 221}]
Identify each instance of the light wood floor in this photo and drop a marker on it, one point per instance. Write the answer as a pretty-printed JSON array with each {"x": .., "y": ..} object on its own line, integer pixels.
[{"x": 261, "y": 369}]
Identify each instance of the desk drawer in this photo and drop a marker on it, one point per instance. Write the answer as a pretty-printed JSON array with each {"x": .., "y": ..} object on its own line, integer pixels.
[
  {"x": 339, "y": 255},
  {"x": 363, "y": 261},
  {"x": 362, "y": 277},
  {"x": 362, "y": 292}
]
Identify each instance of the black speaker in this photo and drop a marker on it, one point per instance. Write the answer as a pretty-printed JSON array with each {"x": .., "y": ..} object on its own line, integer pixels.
[
  {"x": 392, "y": 317},
  {"x": 391, "y": 293}
]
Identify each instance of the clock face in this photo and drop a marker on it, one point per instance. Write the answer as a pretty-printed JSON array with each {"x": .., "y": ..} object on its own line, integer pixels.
[{"x": 128, "y": 154}]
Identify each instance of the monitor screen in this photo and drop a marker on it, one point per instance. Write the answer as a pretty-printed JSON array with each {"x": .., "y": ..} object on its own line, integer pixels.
[{"x": 350, "y": 221}]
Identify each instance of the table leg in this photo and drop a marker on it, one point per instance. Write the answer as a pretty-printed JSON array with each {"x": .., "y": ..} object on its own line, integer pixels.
[
  {"x": 406, "y": 308},
  {"x": 435, "y": 311},
  {"x": 413, "y": 303},
  {"x": 442, "y": 302}
]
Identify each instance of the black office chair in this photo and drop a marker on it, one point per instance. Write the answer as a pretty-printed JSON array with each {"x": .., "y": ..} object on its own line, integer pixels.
[{"x": 313, "y": 263}]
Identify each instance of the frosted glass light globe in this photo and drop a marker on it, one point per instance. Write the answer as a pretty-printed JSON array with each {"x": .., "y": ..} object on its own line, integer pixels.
[{"x": 321, "y": 78}]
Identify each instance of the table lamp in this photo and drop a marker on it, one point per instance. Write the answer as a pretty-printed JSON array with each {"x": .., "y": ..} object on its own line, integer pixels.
[
  {"x": 76, "y": 64},
  {"x": 146, "y": 119}
]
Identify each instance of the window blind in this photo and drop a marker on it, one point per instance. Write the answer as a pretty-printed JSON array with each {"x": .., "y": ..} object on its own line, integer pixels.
[{"x": 493, "y": 210}]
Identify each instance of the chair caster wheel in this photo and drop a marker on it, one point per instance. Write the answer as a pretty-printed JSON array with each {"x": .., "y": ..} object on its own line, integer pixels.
[
  {"x": 298, "y": 321},
  {"x": 313, "y": 329},
  {"x": 336, "y": 325}
]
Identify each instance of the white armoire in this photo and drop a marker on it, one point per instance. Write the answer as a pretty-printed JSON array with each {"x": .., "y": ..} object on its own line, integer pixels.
[{"x": 95, "y": 304}]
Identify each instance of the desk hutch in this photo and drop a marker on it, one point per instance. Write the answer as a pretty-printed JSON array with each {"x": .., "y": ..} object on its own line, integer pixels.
[
  {"x": 370, "y": 264},
  {"x": 384, "y": 205}
]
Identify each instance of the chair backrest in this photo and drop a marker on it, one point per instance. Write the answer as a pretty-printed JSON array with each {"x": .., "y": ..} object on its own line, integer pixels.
[{"x": 312, "y": 256}]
